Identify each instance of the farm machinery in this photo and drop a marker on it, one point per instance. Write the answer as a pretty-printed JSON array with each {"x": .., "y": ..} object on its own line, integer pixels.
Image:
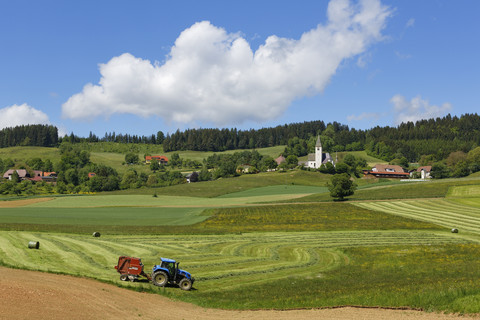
[{"x": 167, "y": 272}]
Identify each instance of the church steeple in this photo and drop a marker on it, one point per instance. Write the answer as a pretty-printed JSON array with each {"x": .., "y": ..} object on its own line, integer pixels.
[
  {"x": 318, "y": 144},
  {"x": 318, "y": 153}
]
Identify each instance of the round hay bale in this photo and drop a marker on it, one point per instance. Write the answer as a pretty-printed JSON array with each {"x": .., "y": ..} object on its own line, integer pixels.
[
  {"x": 96, "y": 234},
  {"x": 454, "y": 230},
  {"x": 34, "y": 245}
]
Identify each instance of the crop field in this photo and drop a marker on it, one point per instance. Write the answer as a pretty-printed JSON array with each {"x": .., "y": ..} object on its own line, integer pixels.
[
  {"x": 451, "y": 214},
  {"x": 248, "y": 254},
  {"x": 226, "y": 266}
]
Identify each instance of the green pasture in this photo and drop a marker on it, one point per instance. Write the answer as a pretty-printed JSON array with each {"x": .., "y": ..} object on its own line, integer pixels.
[
  {"x": 139, "y": 201},
  {"x": 276, "y": 270},
  {"x": 400, "y": 190},
  {"x": 447, "y": 213},
  {"x": 20, "y": 154},
  {"x": 194, "y": 220},
  {"x": 102, "y": 216},
  {"x": 286, "y": 190},
  {"x": 211, "y": 189}
]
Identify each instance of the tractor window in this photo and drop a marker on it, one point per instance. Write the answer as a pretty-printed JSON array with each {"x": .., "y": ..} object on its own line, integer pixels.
[{"x": 169, "y": 265}]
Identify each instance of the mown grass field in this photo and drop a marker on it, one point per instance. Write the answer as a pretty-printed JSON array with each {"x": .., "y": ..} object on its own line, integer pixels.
[
  {"x": 393, "y": 253},
  {"x": 399, "y": 190},
  {"x": 447, "y": 213},
  {"x": 277, "y": 270}
]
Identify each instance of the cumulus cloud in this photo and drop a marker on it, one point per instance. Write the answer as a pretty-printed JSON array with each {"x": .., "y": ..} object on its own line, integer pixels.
[
  {"x": 416, "y": 109},
  {"x": 213, "y": 76},
  {"x": 21, "y": 115}
]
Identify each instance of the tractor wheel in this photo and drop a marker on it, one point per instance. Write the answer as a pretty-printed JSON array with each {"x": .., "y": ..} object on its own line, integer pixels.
[
  {"x": 160, "y": 279},
  {"x": 123, "y": 277},
  {"x": 185, "y": 284}
]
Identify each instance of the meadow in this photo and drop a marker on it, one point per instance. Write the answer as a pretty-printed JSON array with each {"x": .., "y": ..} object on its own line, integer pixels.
[{"x": 248, "y": 253}]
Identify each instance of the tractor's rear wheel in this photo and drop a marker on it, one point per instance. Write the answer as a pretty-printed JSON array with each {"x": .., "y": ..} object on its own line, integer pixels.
[
  {"x": 160, "y": 279},
  {"x": 123, "y": 277},
  {"x": 185, "y": 284}
]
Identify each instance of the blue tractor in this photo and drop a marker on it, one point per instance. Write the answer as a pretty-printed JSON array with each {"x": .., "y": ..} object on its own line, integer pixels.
[{"x": 168, "y": 272}]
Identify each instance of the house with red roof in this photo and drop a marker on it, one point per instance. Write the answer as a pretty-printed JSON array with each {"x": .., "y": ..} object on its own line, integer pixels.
[
  {"x": 387, "y": 171},
  {"x": 160, "y": 159}
]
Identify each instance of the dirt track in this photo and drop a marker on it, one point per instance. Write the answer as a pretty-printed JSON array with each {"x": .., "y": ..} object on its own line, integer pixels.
[
  {"x": 21, "y": 203},
  {"x": 36, "y": 295}
]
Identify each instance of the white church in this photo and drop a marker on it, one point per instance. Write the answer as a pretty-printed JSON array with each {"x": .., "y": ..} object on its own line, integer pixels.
[{"x": 315, "y": 160}]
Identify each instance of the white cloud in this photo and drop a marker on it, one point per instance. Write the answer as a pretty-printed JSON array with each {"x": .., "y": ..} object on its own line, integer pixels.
[
  {"x": 24, "y": 114},
  {"x": 410, "y": 23},
  {"x": 364, "y": 116},
  {"x": 213, "y": 76},
  {"x": 416, "y": 109}
]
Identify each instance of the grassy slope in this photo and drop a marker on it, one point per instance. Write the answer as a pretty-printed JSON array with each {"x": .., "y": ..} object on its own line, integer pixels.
[
  {"x": 371, "y": 161},
  {"x": 20, "y": 154},
  {"x": 237, "y": 184},
  {"x": 103, "y": 155}
]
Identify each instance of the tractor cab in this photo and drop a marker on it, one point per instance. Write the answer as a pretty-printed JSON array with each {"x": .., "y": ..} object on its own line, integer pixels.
[
  {"x": 168, "y": 272},
  {"x": 170, "y": 265}
]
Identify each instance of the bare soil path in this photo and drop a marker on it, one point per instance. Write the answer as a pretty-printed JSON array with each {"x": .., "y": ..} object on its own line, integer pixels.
[{"x": 37, "y": 295}]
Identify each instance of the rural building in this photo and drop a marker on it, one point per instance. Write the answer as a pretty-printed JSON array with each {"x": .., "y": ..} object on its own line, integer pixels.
[
  {"x": 22, "y": 174},
  {"x": 387, "y": 171},
  {"x": 423, "y": 171},
  {"x": 160, "y": 159},
  {"x": 37, "y": 175},
  {"x": 315, "y": 160},
  {"x": 280, "y": 160},
  {"x": 91, "y": 175}
]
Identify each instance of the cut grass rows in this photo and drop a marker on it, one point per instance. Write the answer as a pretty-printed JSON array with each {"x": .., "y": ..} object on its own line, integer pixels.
[
  {"x": 216, "y": 261},
  {"x": 442, "y": 212}
]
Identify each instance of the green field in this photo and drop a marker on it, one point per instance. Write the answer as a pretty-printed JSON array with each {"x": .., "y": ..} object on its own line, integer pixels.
[
  {"x": 321, "y": 269},
  {"x": 450, "y": 214},
  {"x": 248, "y": 253},
  {"x": 211, "y": 189}
]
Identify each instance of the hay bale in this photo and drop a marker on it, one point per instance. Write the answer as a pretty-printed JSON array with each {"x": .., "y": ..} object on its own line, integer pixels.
[
  {"x": 454, "y": 230},
  {"x": 33, "y": 245},
  {"x": 96, "y": 234}
]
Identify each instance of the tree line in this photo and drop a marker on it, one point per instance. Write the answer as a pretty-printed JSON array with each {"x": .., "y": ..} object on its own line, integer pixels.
[
  {"x": 436, "y": 138},
  {"x": 38, "y": 135}
]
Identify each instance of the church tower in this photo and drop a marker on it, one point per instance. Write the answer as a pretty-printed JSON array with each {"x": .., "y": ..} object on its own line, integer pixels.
[{"x": 318, "y": 153}]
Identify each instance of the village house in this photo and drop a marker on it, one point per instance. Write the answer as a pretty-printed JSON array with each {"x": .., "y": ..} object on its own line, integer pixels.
[
  {"x": 38, "y": 175},
  {"x": 22, "y": 174},
  {"x": 387, "y": 171},
  {"x": 160, "y": 159},
  {"x": 281, "y": 159},
  {"x": 423, "y": 172}
]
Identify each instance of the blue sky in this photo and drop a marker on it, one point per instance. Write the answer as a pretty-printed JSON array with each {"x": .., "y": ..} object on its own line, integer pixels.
[{"x": 141, "y": 66}]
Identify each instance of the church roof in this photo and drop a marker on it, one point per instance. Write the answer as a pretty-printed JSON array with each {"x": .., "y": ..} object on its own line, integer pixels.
[{"x": 318, "y": 144}]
